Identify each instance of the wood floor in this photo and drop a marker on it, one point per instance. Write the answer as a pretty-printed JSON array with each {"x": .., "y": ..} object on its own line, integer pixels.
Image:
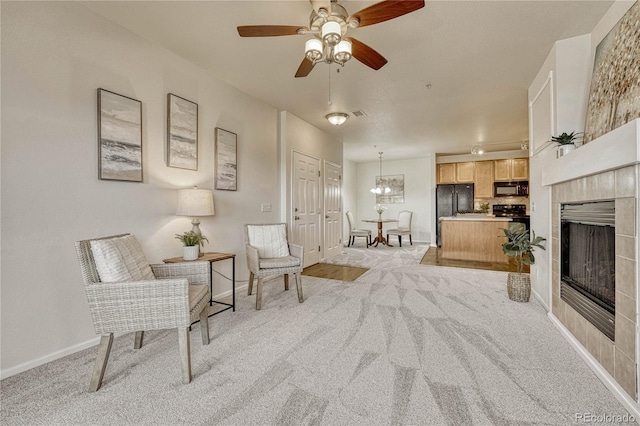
[
  {"x": 433, "y": 257},
  {"x": 334, "y": 272}
]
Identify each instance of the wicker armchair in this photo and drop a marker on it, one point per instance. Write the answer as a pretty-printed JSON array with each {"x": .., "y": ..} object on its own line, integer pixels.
[
  {"x": 269, "y": 253},
  {"x": 176, "y": 299},
  {"x": 404, "y": 226}
]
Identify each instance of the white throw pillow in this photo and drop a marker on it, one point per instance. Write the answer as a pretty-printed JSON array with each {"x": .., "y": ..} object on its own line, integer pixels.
[
  {"x": 270, "y": 240},
  {"x": 120, "y": 259}
]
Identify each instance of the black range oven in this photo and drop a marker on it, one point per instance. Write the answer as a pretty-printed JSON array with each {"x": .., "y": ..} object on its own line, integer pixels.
[{"x": 517, "y": 212}]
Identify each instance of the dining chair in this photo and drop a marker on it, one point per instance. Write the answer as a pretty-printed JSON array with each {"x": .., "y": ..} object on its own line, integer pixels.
[
  {"x": 404, "y": 226},
  {"x": 269, "y": 253},
  {"x": 353, "y": 232},
  {"x": 126, "y": 294}
]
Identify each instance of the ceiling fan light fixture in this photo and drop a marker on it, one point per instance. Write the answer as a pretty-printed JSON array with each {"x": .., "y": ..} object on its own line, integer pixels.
[
  {"x": 331, "y": 33},
  {"x": 313, "y": 49},
  {"x": 337, "y": 118},
  {"x": 342, "y": 52}
]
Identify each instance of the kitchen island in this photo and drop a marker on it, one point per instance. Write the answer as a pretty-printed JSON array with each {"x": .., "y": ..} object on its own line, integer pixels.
[{"x": 474, "y": 237}]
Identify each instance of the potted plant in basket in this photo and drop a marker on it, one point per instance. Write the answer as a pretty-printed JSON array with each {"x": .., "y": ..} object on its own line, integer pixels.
[
  {"x": 566, "y": 142},
  {"x": 192, "y": 243},
  {"x": 520, "y": 246}
]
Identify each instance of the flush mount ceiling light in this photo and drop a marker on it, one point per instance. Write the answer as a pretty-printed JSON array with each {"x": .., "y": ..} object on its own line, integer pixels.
[
  {"x": 477, "y": 150},
  {"x": 337, "y": 118},
  {"x": 328, "y": 26}
]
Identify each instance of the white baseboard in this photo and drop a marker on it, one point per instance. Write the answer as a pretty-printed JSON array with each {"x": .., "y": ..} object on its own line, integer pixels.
[
  {"x": 632, "y": 406},
  {"x": 8, "y": 372},
  {"x": 228, "y": 292},
  {"x": 546, "y": 307}
]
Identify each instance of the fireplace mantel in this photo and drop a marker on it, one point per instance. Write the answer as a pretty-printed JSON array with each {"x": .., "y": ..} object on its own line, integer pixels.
[{"x": 614, "y": 150}]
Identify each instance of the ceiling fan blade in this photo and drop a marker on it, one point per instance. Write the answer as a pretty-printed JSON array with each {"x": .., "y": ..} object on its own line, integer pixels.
[
  {"x": 386, "y": 10},
  {"x": 305, "y": 68},
  {"x": 366, "y": 54},
  {"x": 321, "y": 4},
  {"x": 268, "y": 30}
]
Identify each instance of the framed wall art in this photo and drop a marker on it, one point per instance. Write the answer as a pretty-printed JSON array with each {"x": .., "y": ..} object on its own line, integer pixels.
[
  {"x": 119, "y": 137},
  {"x": 393, "y": 182},
  {"x": 182, "y": 133},
  {"x": 614, "y": 98},
  {"x": 226, "y": 160}
]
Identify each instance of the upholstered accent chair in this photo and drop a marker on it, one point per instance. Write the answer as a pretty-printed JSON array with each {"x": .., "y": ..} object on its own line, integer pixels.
[
  {"x": 269, "y": 253},
  {"x": 126, "y": 294},
  {"x": 353, "y": 232},
  {"x": 404, "y": 226}
]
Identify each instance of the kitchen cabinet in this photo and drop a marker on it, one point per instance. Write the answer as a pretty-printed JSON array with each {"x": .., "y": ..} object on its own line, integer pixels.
[
  {"x": 511, "y": 169},
  {"x": 465, "y": 172},
  {"x": 446, "y": 173},
  {"x": 455, "y": 172},
  {"x": 483, "y": 179},
  {"x": 520, "y": 169}
]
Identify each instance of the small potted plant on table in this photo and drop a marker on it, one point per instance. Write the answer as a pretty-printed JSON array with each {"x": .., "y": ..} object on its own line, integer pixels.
[
  {"x": 520, "y": 246},
  {"x": 566, "y": 142},
  {"x": 192, "y": 243}
]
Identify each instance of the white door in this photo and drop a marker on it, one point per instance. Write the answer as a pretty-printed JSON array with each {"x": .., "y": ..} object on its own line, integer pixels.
[
  {"x": 332, "y": 210},
  {"x": 306, "y": 206}
]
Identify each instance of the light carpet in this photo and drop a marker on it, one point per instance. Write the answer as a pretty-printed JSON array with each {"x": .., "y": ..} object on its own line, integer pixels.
[{"x": 403, "y": 344}]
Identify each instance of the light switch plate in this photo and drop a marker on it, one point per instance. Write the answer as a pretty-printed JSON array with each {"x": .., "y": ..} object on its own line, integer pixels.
[{"x": 265, "y": 207}]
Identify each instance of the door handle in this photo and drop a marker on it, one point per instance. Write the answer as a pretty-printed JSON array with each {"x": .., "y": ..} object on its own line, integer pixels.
[
  {"x": 296, "y": 218},
  {"x": 326, "y": 216}
]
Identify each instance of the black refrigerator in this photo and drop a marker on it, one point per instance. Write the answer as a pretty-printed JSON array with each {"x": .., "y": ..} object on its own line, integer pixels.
[{"x": 449, "y": 200}]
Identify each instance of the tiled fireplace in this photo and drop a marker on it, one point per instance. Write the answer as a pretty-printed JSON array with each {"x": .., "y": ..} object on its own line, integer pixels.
[{"x": 617, "y": 355}]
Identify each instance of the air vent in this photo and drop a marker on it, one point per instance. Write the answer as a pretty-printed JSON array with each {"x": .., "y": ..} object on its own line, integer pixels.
[{"x": 359, "y": 113}]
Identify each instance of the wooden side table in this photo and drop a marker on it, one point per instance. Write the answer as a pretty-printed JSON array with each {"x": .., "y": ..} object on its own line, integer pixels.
[{"x": 212, "y": 257}]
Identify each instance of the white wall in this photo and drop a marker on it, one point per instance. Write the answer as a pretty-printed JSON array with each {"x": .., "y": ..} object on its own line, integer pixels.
[
  {"x": 54, "y": 57},
  {"x": 569, "y": 64},
  {"x": 298, "y": 135},
  {"x": 419, "y": 195}
]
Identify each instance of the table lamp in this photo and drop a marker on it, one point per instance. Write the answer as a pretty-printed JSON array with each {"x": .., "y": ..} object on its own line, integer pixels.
[{"x": 195, "y": 202}]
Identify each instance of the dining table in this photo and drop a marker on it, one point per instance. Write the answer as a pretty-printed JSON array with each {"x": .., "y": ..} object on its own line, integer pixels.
[{"x": 380, "y": 238}]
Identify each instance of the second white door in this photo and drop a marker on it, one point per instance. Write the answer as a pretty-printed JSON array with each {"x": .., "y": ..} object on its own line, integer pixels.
[{"x": 306, "y": 206}]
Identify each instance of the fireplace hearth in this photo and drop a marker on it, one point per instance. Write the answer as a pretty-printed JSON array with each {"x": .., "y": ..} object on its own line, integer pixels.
[{"x": 587, "y": 256}]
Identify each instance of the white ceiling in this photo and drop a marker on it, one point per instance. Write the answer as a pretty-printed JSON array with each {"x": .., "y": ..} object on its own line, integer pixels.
[{"x": 478, "y": 56}]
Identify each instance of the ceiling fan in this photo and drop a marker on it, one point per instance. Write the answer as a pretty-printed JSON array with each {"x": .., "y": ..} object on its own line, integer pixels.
[{"x": 329, "y": 24}]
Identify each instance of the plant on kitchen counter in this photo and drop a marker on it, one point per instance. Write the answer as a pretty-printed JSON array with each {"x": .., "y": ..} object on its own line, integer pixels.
[
  {"x": 484, "y": 207},
  {"x": 520, "y": 246}
]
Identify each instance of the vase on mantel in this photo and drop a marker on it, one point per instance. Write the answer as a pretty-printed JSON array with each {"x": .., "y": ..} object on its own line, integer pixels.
[{"x": 565, "y": 149}]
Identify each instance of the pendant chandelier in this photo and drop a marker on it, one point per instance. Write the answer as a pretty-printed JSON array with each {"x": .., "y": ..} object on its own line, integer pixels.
[{"x": 379, "y": 189}]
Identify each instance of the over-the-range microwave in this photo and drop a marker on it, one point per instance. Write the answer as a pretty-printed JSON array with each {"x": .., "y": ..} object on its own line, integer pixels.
[{"x": 511, "y": 189}]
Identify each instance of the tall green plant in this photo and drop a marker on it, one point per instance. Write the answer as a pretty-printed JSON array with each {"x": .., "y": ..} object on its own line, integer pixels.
[
  {"x": 190, "y": 239},
  {"x": 520, "y": 246}
]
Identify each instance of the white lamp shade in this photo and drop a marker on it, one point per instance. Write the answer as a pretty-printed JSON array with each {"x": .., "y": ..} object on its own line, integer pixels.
[
  {"x": 342, "y": 52},
  {"x": 331, "y": 33},
  {"x": 195, "y": 202},
  {"x": 313, "y": 49}
]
